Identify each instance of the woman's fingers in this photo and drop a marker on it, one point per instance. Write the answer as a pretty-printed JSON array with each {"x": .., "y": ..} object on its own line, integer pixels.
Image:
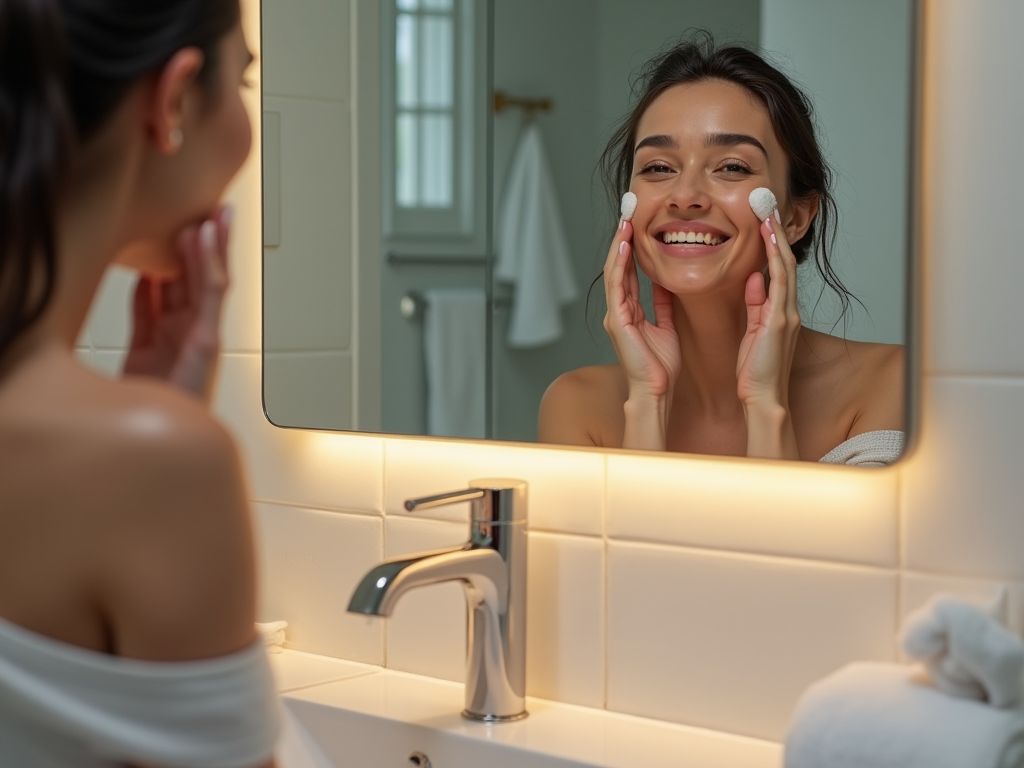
[
  {"x": 663, "y": 310},
  {"x": 781, "y": 264}
]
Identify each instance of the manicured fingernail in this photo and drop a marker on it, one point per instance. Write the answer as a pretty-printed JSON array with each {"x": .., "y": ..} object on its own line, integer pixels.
[
  {"x": 773, "y": 239},
  {"x": 622, "y": 226},
  {"x": 623, "y": 246},
  {"x": 208, "y": 235},
  {"x": 778, "y": 218}
]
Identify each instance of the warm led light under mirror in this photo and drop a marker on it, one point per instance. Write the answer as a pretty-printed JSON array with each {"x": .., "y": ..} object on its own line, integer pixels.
[{"x": 386, "y": 166}]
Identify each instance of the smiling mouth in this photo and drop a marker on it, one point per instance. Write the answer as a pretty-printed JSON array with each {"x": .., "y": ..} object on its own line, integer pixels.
[{"x": 697, "y": 238}]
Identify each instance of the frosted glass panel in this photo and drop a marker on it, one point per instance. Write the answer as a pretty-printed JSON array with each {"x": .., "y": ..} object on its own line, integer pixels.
[
  {"x": 409, "y": 5},
  {"x": 406, "y": 79},
  {"x": 436, "y": 61},
  {"x": 436, "y": 181},
  {"x": 436, "y": 5},
  {"x": 406, "y": 161}
]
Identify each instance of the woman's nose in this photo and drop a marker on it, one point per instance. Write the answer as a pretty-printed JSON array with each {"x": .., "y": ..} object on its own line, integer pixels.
[{"x": 689, "y": 191}]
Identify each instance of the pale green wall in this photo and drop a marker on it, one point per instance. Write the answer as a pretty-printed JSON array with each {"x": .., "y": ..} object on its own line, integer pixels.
[{"x": 866, "y": 61}]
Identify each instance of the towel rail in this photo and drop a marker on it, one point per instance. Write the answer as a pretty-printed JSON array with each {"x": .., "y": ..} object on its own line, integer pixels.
[
  {"x": 413, "y": 304},
  {"x": 410, "y": 259},
  {"x": 503, "y": 101}
]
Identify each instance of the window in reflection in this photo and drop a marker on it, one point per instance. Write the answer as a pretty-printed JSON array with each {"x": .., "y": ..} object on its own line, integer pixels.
[{"x": 425, "y": 103}]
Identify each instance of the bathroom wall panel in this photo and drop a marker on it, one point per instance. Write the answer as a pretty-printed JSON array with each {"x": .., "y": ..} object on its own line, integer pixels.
[
  {"x": 324, "y": 470},
  {"x": 109, "y": 361},
  {"x": 566, "y": 488},
  {"x": 310, "y": 388},
  {"x": 108, "y": 324},
  {"x": 565, "y": 648},
  {"x": 242, "y": 321},
  {"x": 727, "y": 641},
  {"x": 917, "y": 588},
  {"x": 823, "y": 513},
  {"x": 308, "y": 561},
  {"x": 308, "y": 41},
  {"x": 311, "y": 270},
  {"x": 426, "y": 634},
  {"x": 974, "y": 272},
  {"x": 962, "y": 491}
]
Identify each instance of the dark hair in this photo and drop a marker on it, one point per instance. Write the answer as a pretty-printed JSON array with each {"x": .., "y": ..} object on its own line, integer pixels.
[
  {"x": 65, "y": 66},
  {"x": 792, "y": 119}
]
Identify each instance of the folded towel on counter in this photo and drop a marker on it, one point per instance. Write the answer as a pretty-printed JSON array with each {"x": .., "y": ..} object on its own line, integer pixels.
[
  {"x": 273, "y": 634},
  {"x": 455, "y": 345},
  {"x": 877, "y": 715},
  {"x": 966, "y": 651},
  {"x": 532, "y": 247}
]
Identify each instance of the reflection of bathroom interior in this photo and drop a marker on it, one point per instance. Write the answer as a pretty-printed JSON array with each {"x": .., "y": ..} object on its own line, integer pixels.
[{"x": 690, "y": 600}]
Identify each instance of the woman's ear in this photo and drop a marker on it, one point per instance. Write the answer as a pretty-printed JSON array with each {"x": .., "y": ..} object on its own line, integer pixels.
[
  {"x": 172, "y": 100},
  {"x": 799, "y": 217}
]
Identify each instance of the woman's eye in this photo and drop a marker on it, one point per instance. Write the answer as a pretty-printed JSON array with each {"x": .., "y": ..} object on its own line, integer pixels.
[
  {"x": 735, "y": 168},
  {"x": 656, "y": 168}
]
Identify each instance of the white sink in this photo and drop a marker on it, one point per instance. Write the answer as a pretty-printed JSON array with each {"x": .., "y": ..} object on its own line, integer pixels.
[{"x": 374, "y": 718}]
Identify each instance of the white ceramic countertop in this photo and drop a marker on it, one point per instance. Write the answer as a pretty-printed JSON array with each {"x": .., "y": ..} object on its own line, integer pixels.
[{"x": 556, "y": 731}]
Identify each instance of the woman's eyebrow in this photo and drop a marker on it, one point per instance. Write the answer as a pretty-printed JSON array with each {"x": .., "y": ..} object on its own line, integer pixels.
[
  {"x": 661, "y": 140},
  {"x": 731, "y": 140}
]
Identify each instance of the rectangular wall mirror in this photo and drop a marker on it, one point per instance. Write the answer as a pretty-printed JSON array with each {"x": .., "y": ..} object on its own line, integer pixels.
[{"x": 399, "y": 155}]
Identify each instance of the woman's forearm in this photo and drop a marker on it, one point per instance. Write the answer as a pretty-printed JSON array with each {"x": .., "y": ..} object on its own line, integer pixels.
[
  {"x": 770, "y": 432},
  {"x": 646, "y": 423}
]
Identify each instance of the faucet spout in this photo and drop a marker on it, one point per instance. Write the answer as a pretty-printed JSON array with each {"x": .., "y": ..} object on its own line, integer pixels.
[
  {"x": 492, "y": 569},
  {"x": 383, "y": 585}
]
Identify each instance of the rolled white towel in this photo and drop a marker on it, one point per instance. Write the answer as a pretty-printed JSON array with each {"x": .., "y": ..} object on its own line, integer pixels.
[
  {"x": 877, "y": 715},
  {"x": 273, "y": 634},
  {"x": 966, "y": 651}
]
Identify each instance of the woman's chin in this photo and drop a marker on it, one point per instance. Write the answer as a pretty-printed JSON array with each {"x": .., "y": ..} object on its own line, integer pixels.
[{"x": 150, "y": 258}]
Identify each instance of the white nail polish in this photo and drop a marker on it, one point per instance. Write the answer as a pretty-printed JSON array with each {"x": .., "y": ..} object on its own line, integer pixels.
[
  {"x": 773, "y": 239},
  {"x": 208, "y": 235},
  {"x": 778, "y": 218},
  {"x": 623, "y": 246}
]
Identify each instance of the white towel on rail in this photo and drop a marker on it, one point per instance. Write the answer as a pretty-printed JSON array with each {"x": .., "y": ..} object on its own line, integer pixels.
[
  {"x": 455, "y": 343},
  {"x": 533, "y": 250}
]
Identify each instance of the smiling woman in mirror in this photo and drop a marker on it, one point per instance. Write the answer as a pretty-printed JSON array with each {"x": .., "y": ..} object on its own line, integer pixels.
[{"x": 725, "y": 366}]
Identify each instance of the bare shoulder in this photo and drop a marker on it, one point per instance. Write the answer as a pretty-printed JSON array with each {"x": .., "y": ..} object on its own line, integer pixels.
[
  {"x": 147, "y": 489},
  {"x": 179, "y": 497},
  {"x": 584, "y": 407},
  {"x": 863, "y": 381}
]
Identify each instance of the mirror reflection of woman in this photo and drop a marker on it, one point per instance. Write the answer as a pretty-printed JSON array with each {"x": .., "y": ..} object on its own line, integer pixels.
[
  {"x": 127, "y": 571},
  {"x": 725, "y": 366}
]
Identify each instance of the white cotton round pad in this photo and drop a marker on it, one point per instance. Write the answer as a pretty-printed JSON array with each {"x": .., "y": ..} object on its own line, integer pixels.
[
  {"x": 628, "y": 206},
  {"x": 763, "y": 202}
]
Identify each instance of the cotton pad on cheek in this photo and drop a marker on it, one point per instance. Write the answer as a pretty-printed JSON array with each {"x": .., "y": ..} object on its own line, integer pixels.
[
  {"x": 628, "y": 206},
  {"x": 762, "y": 202}
]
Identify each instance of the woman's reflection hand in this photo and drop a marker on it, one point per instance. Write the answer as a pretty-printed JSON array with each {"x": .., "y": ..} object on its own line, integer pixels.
[
  {"x": 648, "y": 352},
  {"x": 176, "y": 334},
  {"x": 766, "y": 351}
]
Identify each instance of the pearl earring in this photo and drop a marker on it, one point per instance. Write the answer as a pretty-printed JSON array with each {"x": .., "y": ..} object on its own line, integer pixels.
[{"x": 176, "y": 137}]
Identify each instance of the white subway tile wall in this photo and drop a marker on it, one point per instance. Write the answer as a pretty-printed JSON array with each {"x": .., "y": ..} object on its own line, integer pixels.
[{"x": 718, "y": 589}]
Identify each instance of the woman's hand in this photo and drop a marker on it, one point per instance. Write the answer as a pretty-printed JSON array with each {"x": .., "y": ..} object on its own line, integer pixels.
[
  {"x": 176, "y": 335},
  {"x": 649, "y": 353},
  {"x": 766, "y": 351}
]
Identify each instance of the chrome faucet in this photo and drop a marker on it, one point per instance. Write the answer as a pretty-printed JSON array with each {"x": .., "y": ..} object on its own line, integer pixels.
[{"x": 492, "y": 568}]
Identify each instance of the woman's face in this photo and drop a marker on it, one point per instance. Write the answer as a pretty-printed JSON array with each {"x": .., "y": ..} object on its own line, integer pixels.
[
  {"x": 187, "y": 186},
  {"x": 700, "y": 150}
]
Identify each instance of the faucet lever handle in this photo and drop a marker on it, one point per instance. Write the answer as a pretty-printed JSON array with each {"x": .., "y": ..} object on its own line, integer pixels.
[{"x": 444, "y": 499}]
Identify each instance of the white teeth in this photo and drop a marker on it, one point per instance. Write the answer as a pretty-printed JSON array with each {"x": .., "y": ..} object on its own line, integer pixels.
[{"x": 704, "y": 238}]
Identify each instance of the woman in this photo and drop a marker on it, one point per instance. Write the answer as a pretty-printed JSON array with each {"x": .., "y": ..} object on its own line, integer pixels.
[
  {"x": 726, "y": 366},
  {"x": 126, "y": 563}
]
